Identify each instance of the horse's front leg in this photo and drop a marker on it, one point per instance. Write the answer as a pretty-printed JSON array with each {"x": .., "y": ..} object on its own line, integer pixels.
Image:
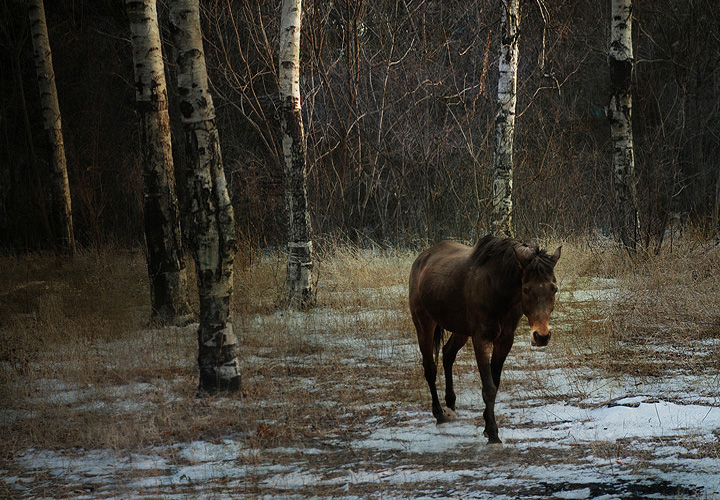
[
  {"x": 483, "y": 354},
  {"x": 503, "y": 344}
]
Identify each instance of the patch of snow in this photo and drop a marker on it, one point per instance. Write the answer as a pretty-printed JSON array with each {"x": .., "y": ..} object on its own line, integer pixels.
[
  {"x": 415, "y": 437},
  {"x": 292, "y": 480},
  {"x": 574, "y": 494},
  {"x": 202, "y": 451},
  {"x": 566, "y": 424}
]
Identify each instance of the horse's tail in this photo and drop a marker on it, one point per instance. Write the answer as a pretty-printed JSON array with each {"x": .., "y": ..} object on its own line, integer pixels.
[{"x": 438, "y": 341}]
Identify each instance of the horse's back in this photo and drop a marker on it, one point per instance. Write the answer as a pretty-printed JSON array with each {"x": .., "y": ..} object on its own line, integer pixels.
[
  {"x": 447, "y": 256},
  {"x": 445, "y": 250}
]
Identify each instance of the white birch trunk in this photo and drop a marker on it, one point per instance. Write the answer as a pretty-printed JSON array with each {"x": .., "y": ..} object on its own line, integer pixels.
[
  {"x": 502, "y": 186},
  {"x": 60, "y": 187},
  {"x": 300, "y": 252},
  {"x": 620, "y": 59},
  {"x": 166, "y": 266},
  {"x": 210, "y": 219}
]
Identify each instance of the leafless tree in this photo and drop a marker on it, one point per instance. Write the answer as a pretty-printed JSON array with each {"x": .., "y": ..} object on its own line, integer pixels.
[
  {"x": 210, "y": 219},
  {"x": 60, "y": 187},
  {"x": 166, "y": 266},
  {"x": 502, "y": 184},
  {"x": 298, "y": 282},
  {"x": 620, "y": 59}
]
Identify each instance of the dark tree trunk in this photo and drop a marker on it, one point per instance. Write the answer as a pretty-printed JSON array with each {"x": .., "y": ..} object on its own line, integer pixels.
[
  {"x": 166, "y": 266},
  {"x": 60, "y": 187}
]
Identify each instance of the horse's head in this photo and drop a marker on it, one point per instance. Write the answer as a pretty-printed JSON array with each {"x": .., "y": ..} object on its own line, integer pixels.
[{"x": 538, "y": 290}]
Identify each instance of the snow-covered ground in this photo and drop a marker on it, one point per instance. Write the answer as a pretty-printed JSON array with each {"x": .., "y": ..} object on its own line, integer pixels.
[
  {"x": 637, "y": 448},
  {"x": 568, "y": 433}
]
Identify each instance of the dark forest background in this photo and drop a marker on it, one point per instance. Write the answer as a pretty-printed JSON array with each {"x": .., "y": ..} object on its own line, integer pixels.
[{"x": 398, "y": 103}]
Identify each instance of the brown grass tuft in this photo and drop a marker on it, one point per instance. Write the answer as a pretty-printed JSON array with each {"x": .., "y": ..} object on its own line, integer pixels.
[{"x": 657, "y": 309}]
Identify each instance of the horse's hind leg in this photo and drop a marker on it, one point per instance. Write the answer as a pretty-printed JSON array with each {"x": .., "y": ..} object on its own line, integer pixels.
[
  {"x": 425, "y": 327},
  {"x": 450, "y": 350}
]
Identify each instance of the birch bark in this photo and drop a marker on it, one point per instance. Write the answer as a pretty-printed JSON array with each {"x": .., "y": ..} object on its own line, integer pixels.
[
  {"x": 166, "y": 266},
  {"x": 210, "y": 219},
  {"x": 502, "y": 186},
  {"x": 620, "y": 60},
  {"x": 60, "y": 187},
  {"x": 300, "y": 251}
]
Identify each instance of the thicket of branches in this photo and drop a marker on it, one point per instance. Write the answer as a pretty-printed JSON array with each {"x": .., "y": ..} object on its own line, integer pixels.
[{"x": 399, "y": 103}]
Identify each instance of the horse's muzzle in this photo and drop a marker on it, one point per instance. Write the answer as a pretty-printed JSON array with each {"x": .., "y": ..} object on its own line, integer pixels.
[{"x": 538, "y": 340}]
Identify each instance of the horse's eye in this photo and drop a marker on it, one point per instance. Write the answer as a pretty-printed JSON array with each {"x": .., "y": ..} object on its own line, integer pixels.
[
  {"x": 526, "y": 290},
  {"x": 554, "y": 288}
]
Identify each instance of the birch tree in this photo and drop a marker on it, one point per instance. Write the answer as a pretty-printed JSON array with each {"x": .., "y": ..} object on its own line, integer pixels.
[
  {"x": 59, "y": 185},
  {"x": 300, "y": 251},
  {"x": 620, "y": 60},
  {"x": 166, "y": 266},
  {"x": 502, "y": 184},
  {"x": 210, "y": 219}
]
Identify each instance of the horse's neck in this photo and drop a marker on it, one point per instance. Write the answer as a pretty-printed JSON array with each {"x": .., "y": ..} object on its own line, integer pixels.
[
  {"x": 509, "y": 290},
  {"x": 504, "y": 287}
]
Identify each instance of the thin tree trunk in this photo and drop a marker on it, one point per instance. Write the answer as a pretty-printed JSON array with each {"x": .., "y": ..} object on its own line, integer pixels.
[
  {"x": 60, "y": 187},
  {"x": 620, "y": 114},
  {"x": 30, "y": 149},
  {"x": 166, "y": 266},
  {"x": 210, "y": 219},
  {"x": 300, "y": 251},
  {"x": 505, "y": 121}
]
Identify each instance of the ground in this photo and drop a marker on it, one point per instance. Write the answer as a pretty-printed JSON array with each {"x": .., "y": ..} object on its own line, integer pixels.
[{"x": 335, "y": 406}]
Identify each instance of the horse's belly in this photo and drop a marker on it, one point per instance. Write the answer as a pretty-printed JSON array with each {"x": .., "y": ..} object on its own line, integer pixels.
[{"x": 450, "y": 316}]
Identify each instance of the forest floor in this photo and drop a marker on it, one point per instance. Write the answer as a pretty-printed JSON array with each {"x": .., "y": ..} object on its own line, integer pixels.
[{"x": 623, "y": 403}]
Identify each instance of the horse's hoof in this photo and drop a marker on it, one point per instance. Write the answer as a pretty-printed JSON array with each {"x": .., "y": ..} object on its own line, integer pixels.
[
  {"x": 495, "y": 444},
  {"x": 492, "y": 439},
  {"x": 449, "y": 415},
  {"x": 446, "y": 416}
]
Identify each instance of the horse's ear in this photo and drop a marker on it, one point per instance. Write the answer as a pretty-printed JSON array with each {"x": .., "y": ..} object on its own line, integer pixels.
[
  {"x": 556, "y": 256},
  {"x": 524, "y": 255}
]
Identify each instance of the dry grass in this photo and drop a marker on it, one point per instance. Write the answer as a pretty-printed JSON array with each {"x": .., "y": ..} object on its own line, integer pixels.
[
  {"x": 74, "y": 334},
  {"x": 52, "y": 309},
  {"x": 664, "y": 313}
]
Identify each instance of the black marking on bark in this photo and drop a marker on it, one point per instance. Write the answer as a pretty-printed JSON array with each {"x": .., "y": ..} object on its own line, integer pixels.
[{"x": 186, "y": 108}]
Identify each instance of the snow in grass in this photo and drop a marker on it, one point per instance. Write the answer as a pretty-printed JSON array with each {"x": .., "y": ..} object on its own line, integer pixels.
[
  {"x": 569, "y": 433},
  {"x": 555, "y": 425},
  {"x": 636, "y": 420}
]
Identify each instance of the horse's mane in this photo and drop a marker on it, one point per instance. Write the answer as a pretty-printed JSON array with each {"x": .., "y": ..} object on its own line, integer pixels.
[
  {"x": 501, "y": 252},
  {"x": 542, "y": 263}
]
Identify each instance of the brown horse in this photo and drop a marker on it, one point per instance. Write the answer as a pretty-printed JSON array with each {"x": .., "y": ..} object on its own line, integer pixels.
[{"x": 479, "y": 292}]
